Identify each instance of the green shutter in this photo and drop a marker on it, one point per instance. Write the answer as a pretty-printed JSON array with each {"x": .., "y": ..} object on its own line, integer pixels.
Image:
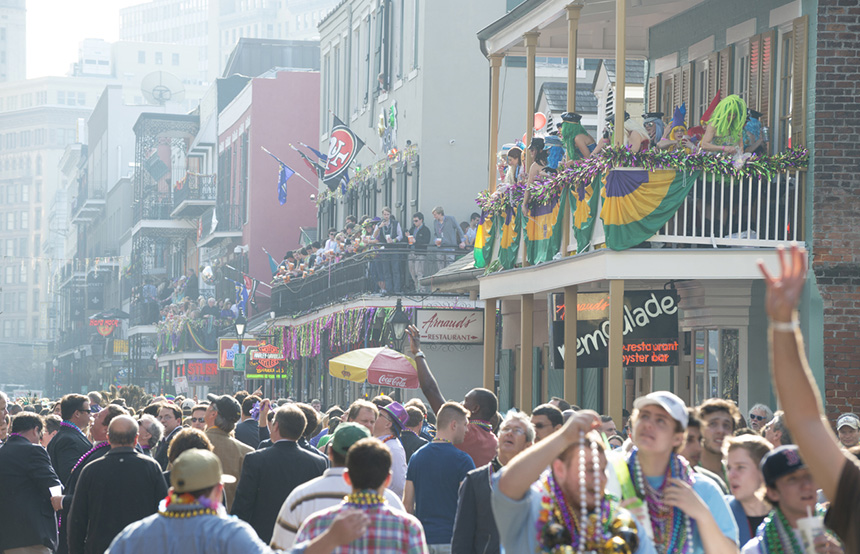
[
  {"x": 506, "y": 380},
  {"x": 537, "y": 380}
]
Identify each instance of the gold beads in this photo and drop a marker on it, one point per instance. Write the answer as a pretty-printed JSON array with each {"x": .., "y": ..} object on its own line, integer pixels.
[{"x": 616, "y": 545}]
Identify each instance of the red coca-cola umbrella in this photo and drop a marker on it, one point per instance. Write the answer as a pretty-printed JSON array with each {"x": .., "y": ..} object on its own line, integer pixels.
[{"x": 378, "y": 366}]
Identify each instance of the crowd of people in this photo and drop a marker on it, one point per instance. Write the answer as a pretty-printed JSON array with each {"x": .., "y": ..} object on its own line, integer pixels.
[
  {"x": 400, "y": 255},
  {"x": 241, "y": 473},
  {"x": 727, "y": 127}
]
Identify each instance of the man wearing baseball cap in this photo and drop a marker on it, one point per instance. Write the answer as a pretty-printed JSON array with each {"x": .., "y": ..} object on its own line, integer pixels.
[
  {"x": 674, "y": 495},
  {"x": 325, "y": 491},
  {"x": 391, "y": 421},
  {"x": 191, "y": 519},
  {"x": 848, "y": 429},
  {"x": 793, "y": 494},
  {"x": 221, "y": 417}
]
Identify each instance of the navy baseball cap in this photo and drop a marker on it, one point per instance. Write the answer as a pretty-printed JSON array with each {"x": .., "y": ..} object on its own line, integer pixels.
[{"x": 779, "y": 462}]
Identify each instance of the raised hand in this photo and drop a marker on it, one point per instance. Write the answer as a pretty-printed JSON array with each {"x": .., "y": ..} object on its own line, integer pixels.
[{"x": 783, "y": 292}]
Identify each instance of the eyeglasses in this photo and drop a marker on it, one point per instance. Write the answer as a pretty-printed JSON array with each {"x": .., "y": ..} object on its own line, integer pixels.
[
  {"x": 757, "y": 417},
  {"x": 198, "y": 420},
  {"x": 514, "y": 430}
]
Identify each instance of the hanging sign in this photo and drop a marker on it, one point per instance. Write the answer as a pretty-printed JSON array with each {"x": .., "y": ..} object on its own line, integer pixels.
[
  {"x": 650, "y": 329},
  {"x": 450, "y": 326},
  {"x": 104, "y": 326},
  {"x": 229, "y": 347},
  {"x": 265, "y": 362}
]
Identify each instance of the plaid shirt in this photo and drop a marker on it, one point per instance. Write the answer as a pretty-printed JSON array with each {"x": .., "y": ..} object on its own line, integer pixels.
[{"x": 389, "y": 532}]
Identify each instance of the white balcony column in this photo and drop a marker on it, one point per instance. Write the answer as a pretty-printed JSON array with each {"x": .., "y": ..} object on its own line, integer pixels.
[
  {"x": 495, "y": 65},
  {"x": 620, "y": 73}
]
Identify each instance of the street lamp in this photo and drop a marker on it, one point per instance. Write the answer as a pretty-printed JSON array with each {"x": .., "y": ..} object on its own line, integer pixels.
[
  {"x": 399, "y": 322},
  {"x": 240, "y": 329}
]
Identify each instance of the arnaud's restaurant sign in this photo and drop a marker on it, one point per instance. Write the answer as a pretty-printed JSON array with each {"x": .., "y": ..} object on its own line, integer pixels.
[
  {"x": 650, "y": 329},
  {"x": 450, "y": 326}
]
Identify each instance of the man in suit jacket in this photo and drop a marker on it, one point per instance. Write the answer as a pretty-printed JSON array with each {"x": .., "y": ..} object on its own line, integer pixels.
[
  {"x": 71, "y": 442},
  {"x": 475, "y": 530},
  {"x": 251, "y": 431},
  {"x": 221, "y": 417},
  {"x": 27, "y": 518},
  {"x": 122, "y": 487},
  {"x": 170, "y": 416},
  {"x": 270, "y": 475}
]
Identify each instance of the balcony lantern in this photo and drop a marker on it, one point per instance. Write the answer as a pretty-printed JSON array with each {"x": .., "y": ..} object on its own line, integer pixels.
[{"x": 399, "y": 322}]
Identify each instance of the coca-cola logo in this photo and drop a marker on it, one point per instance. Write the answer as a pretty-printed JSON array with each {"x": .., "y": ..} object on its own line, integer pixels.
[
  {"x": 345, "y": 373},
  {"x": 392, "y": 381}
]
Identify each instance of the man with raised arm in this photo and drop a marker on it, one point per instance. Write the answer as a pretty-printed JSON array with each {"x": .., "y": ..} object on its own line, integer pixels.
[
  {"x": 480, "y": 442},
  {"x": 834, "y": 470}
]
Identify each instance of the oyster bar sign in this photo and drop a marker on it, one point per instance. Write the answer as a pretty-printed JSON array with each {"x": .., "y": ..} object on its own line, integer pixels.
[{"x": 450, "y": 326}]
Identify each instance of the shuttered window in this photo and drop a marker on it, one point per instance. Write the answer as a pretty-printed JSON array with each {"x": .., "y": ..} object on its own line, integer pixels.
[{"x": 800, "y": 34}]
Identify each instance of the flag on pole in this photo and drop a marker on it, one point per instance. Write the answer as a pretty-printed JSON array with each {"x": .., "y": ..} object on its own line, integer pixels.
[
  {"x": 284, "y": 174},
  {"x": 343, "y": 146},
  {"x": 273, "y": 265},
  {"x": 322, "y": 157},
  {"x": 318, "y": 169},
  {"x": 484, "y": 239}
]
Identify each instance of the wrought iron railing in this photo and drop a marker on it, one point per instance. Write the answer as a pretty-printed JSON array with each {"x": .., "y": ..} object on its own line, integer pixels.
[{"x": 194, "y": 187}]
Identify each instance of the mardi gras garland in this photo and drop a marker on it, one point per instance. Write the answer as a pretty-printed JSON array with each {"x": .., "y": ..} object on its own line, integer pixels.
[
  {"x": 375, "y": 171},
  {"x": 544, "y": 191}
]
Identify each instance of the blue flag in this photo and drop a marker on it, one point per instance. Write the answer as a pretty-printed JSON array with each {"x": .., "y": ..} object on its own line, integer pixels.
[
  {"x": 322, "y": 157},
  {"x": 273, "y": 265},
  {"x": 283, "y": 175}
]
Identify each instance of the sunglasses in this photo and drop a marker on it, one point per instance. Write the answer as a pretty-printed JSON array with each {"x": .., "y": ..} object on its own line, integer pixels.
[
  {"x": 757, "y": 417},
  {"x": 198, "y": 420}
]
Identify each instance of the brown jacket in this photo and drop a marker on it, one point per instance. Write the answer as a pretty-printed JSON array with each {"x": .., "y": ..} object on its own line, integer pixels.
[{"x": 231, "y": 453}]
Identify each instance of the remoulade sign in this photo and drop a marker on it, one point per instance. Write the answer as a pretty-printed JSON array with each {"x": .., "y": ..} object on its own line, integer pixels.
[
  {"x": 450, "y": 326},
  {"x": 650, "y": 327}
]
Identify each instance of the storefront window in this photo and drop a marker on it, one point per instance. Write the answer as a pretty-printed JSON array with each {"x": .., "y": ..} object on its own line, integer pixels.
[{"x": 715, "y": 365}]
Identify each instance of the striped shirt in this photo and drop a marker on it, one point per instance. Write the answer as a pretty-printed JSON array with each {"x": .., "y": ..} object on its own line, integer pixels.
[{"x": 389, "y": 532}]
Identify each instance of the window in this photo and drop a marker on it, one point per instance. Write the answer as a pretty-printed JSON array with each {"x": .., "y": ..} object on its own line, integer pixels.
[
  {"x": 25, "y": 220},
  {"x": 9, "y": 275},
  {"x": 25, "y": 193},
  {"x": 35, "y": 300},
  {"x": 22, "y": 328},
  {"x": 23, "y": 275},
  {"x": 10, "y": 247},
  {"x": 175, "y": 59},
  {"x": 141, "y": 56},
  {"x": 158, "y": 58},
  {"x": 742, "y": 60},
  {"x": 22, "y": 301},
  {"x": 10, "y": 221},
  {"x": 37, "y": 222},
  {"x": 7, "y": 329},
  {"x": 37, "y": 239},
  {"x": 22, "y": 247},
  {"x": 82, "y": 99},
  {"x": 701, "y": 93}
]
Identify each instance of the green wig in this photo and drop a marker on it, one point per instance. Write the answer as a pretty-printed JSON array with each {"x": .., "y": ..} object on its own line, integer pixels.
[
  {"x": 729, "y": 117},
  {"x": 569, "y": 132}
]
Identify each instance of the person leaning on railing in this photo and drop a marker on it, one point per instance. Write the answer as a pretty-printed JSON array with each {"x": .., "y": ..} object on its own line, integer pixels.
[{"x": 724, "y": 133}]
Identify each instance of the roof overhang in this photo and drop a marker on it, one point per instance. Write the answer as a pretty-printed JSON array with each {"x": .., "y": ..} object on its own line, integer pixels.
[
  {"x": 596, "y": 29},
  {"x": 596, "y": 269}
]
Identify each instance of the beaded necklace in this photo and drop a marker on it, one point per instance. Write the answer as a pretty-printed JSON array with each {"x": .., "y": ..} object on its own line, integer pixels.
[
  {"x": 10, "y": 435},
  {"x": 71, "y": 425},
  {"x": 86, "y": 456},
  {"x": 481, "y": 424},
  {"x": 366, "y": 497},
  {"x": 438, "y": 439},
  {"x": 673, "y": 529},
  {"x": 777, "y": 536},
  {"x": 182, "y": 514},
  {"x": 389, "y": 438}
]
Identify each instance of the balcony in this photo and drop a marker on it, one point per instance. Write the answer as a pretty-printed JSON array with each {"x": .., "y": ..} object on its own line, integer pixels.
[
  {"x": 193, "y": 195},
  {"x": 144, "y": 313},
  {"x": 222, "y": 221},
  {"x": 353, "y": 277},
  {"x": 87, "y": 205},
  {"x": 154, "y": 212},
  {"x": 183, "y": 334},
  {"x": 73, "y": 338}
]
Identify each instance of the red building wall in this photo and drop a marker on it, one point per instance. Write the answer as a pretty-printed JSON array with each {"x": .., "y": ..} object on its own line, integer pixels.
[{"x": 283, "y": 110}]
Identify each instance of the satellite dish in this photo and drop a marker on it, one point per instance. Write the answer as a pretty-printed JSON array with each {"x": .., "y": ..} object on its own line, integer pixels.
[{"x": 160, "y": 87}]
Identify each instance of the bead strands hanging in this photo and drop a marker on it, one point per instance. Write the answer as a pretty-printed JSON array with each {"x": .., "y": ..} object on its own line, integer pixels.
[{"x": 673, "y": 529}]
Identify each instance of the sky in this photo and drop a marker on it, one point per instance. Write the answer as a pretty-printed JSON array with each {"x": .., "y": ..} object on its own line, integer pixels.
[{"x": 55, "y": 28}]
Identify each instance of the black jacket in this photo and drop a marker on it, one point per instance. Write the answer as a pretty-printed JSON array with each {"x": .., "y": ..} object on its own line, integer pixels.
[
  {"x": 69, "y": 493},
  {"x": 26, "y": 515},
  {"x": 422, "y": 238},
  {"x": 122, "y": 487},
  {"x": 268, "y": 477},
  {"x": 411, "y": 443},
  {"x": 475, "y": 529},
  {"x": 65, "y": 449},
  {"x": 250, "y": 432},
  {"x": 160, "y": 454}
]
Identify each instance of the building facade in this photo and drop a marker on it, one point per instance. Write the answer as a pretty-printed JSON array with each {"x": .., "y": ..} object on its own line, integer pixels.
[{"x": 13, "y": 40}]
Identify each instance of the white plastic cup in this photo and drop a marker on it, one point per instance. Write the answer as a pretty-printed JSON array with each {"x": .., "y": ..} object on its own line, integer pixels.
[
  {"x": 438, "y": 242},
  {"x": 810, "y": 527}
]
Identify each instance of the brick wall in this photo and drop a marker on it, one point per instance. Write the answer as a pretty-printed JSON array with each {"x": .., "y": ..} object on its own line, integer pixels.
[{"x": 836, "y": 205}]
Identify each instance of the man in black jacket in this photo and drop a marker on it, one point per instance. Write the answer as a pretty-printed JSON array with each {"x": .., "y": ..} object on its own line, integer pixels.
[
  {"x": 419, "y": 237},
  {"x": 170, "y": 416},
  {"x": 27, "y": 518},
  {"x": 253, "y": 431},
  {"x": 122, "y": 487},
  {"x": 475, "y": 529},
  {"x": 71, "y": 441},
  {"x": 270, "y": 475}
]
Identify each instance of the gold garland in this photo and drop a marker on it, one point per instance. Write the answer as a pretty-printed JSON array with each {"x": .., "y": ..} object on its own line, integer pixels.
[{"x": 365, "y": 498}]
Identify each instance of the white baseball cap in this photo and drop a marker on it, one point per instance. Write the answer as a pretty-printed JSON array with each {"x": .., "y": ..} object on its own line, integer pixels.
[
  {"x": 666, "y": 400},
  {"x": 850, "y": 420}
]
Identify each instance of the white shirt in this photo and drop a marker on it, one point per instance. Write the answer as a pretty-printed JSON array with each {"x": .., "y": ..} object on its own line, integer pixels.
[
  {"x": 317, "y": 494},
  {"x": 398, "y": 464}
]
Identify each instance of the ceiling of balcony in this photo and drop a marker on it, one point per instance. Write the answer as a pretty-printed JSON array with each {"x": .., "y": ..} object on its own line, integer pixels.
[{"x": 596, "y": 34}]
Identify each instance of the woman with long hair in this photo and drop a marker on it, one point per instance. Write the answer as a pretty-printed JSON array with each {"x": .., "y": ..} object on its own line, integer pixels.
[
  {"x": 746, "y": 482},
  {"x": 515, "y": 172},
  {"x": 724, "y": 133}
]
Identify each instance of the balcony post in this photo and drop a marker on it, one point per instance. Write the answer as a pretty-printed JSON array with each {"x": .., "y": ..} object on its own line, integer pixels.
[
  {"x": 620, "y": 73},
  {"x": 570, "y": 368},
  {"x": 490, "y": 344},
  {"x": 615, "y": 380},
  {"x": 524, "y": 397},
  {"x": 495, "y": 65},
  {"x": 530, "y": 40},
  {"x": 573, "y": 11}
]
